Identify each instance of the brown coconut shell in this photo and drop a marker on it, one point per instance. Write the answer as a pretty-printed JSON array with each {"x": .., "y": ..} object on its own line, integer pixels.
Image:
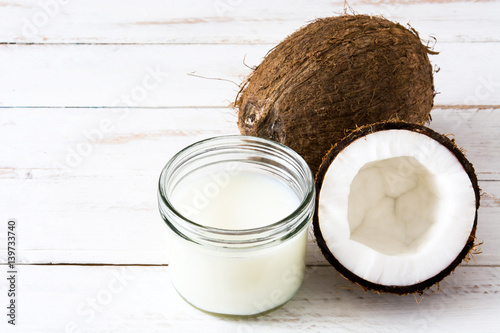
[
  {"x": 359, "y": 134},
  {"x": 332, "y": 76}
]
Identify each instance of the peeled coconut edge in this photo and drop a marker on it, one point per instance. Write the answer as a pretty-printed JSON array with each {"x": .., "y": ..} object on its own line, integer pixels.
[{"x": 363, "y": 269}]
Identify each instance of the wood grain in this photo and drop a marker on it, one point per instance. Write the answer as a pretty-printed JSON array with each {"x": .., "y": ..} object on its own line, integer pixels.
[
  {"x": 96, "y": 96},
  {"x": 83, "y": 195},
  {"x": 194, "y": 75},
  {"x": 228, "y": 21},
  {"x": 141, "y": 299}
]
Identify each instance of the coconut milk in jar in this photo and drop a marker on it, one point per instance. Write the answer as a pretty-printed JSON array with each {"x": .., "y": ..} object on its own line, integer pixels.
[{"x": 238, "y": 210}]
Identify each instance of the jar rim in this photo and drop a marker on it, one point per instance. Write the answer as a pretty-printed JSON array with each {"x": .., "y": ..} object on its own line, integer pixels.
[{"x": 238, "y": 238}]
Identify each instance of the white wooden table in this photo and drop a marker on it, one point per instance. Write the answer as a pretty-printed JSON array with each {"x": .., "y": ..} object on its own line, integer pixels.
[{"x": 96, "y": 96}]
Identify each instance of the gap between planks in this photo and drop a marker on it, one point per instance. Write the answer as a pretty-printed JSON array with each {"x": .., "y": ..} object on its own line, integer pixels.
[
  {"x": 166, "y": 265},
  {"x": 155, "y": 43},
  {"x": 435, "y": 107}
]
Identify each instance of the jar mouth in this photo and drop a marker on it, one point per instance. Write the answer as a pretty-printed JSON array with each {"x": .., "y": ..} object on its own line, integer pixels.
[{"x": 274, "y": 157}]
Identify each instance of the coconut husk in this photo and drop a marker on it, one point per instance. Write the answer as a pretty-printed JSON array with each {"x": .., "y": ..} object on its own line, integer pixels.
[{"x": 332, "y": 76}]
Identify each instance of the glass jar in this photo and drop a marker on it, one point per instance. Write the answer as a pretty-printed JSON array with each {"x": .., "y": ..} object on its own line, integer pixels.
[{"x": 236, "y": 270}]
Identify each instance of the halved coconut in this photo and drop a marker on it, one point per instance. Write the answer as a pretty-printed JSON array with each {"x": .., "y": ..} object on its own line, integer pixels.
[{"x": 396, "y": 207}]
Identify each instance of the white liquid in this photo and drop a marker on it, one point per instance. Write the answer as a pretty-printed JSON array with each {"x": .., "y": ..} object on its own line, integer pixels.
[
  {"x": 242, "y": 283},
  {"x": 242, "y": 201}
]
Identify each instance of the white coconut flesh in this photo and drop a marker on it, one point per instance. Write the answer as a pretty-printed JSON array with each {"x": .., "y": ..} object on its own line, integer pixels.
[{"x": 396, "y": 207}]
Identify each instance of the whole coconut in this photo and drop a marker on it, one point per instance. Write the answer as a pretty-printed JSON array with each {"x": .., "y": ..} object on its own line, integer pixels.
[{"x": 332, "y": 76}]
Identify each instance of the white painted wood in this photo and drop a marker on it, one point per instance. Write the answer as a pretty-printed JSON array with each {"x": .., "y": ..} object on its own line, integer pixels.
[
  {"x": 169, "y": 75},
  {"x": 86, "y": 193},
  {"x": 106, "y": 140},
  {"x": 477, "y": 132},
  {"x": 141, "y": 299},
  {"x": 82, "y": 200},
  {"x": 82, "y": 181},
  {"x": 228, "y": 21}
]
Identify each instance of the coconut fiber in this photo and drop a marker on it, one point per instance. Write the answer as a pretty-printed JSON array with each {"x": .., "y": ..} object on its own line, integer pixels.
[{"x": 332, "y": 76}]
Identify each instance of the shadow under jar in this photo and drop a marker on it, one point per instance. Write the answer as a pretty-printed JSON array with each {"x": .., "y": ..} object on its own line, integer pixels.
[{"x": 238, "y": 210}]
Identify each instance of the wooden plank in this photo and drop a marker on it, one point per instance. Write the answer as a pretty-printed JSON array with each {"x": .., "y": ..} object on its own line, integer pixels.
[
  {"x": 179, "y": 75},
  {"x": 132, "y": 299},
  {"x": 84, "y": 192},
  {"x": 81, "y": 182},
  {"x": 112, "y": 227},
  {"x": 475, "y": 131},
  {"x": 93, "y": 141},
  {"x": 91, "y": 201},
  {"x": 228, "y": 21}
]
